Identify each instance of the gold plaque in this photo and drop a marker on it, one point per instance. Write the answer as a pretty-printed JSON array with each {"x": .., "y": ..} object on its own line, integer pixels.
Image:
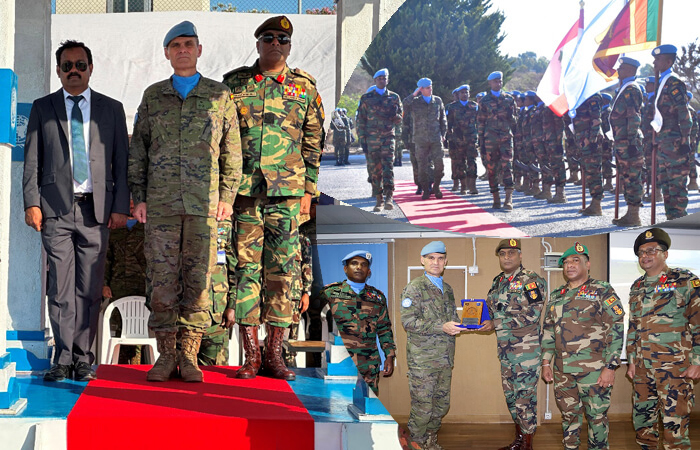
[{"x": 471, "y": 313}]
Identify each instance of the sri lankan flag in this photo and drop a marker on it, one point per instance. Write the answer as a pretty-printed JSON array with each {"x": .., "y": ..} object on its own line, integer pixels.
[{"x": 636, "y": 28}]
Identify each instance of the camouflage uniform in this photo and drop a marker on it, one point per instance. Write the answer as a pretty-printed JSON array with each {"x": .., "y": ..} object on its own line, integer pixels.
[
  {"x": 582, "y": 334},
  {"x": 213, "y": 351},
  {"x": 528, "y": 156},
  {"x": 281, "y": 118},
  {"x": 573, "y": 151},
  {"x": 185, "y": 158},
  {"x": 429, "y": 353},
  {"x": 461, "y": 133},
  {"x": 648, "y": 139},
  {"x": 625, "y": 122},
  {"x": 515, "y": 304},
  {"x": 301, "y": 284},
  {"x": 361, "y": 318},
  {"x": 588, "y": 137},
  {"x": 607, "y": 145},
  {"x": 340, "y": 138},
  {"x": 495, "y": 125},
  {"x": 409, "y": 142},
  {"x": 663, "y": 339},
  {"x": 518, "y": 150},
  {"x": 349, "y": 138},
  {"x": 377, "y": 116},
  {"x": 673, "y": 167},
  {"x": 429, "y": 126},
  {"x": 693, "y": 143},
  {"x": 553, "y": 127}
]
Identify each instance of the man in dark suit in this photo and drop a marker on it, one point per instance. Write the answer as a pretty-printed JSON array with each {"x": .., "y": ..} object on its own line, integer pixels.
[{"x": 75, "y": 161}]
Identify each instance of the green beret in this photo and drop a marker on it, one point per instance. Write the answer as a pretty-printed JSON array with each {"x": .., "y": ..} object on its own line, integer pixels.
[
  {"x": 576, "y": 249},
  {"x": 277, "y": 23},
  {"x": 508, "y": 243},
  {"x": 652, "y": 235}
]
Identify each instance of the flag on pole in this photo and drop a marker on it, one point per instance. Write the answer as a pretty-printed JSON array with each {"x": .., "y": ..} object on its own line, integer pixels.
[{"x": 634, "y": 29}]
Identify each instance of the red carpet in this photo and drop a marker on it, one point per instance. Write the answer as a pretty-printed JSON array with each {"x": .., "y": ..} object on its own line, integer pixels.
[
  {"x": 121, "y": 410},
  {"x": 450, "y": 213}
]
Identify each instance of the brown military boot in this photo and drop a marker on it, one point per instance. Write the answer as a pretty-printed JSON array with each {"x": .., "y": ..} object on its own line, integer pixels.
[
  {"x": 573, "y": 177},
  {"x": 274, "y": 364},
  {"x": 389, "y": 202},
  {"x": 436, "y": 189},
  {"x": 508, "y": 203},
  {"x": 545, "y": 193},
  {"x": 693, "y": 185},
  {"x": 496, "y": 200},
  {"x": 594, "y": 209},
  {"x": 534, "y": 188},
  {"x": 518, "y": 185},
  {"x": 527, "y": 441},
  {"x": 471, "y": 185},
  {"x": 426, "y": 192},
  {"x": 515, "y": 445},
  {"x": 608, "y": 186},
  {"x": 380, "y": 203},
  {"x": 630, "y": 219},
  {"x": 525, "y": 186},
  {"x": 559, "y": 196},
  {"x": 455, "y": 185},
  {"x": 189, "y": 368},
  {"x": 251, "y": 346},
  {"x": 166, "y": 365}
]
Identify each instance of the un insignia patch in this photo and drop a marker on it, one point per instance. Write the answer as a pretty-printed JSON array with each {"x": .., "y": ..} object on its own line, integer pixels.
[{"x": 406, "y": 302}]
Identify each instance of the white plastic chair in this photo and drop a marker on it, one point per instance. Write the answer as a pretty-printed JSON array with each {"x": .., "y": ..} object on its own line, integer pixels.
[{"x": 134, "y": 316}]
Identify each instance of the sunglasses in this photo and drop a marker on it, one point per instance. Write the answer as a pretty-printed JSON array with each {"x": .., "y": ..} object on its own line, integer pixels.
[
  {"x": 282, "y": 39},
  {"x": 66, "y": 66}
]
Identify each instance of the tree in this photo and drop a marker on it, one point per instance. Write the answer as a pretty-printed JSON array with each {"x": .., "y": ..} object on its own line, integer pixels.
[
  {"x": 688, "y": 66},
  {"x": 530, "y": 62},
  {"x": 452, "y": 42}
]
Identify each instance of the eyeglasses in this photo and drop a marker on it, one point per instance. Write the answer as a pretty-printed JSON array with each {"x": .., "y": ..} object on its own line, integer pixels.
[
  {"x": 66, "y": 66},
  {"x": 649, "y": 252},
  {"x": 282, "y": 39}
]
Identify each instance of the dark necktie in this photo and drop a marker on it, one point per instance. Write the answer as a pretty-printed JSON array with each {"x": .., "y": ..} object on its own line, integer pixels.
[{"x": 80, "y": 160}]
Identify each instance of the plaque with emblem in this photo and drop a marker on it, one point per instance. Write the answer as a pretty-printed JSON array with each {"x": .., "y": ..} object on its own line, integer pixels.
[{"x": 474, "y": 313}]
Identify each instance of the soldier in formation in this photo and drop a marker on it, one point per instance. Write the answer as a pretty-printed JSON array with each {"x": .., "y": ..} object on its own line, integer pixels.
[
  {"x": 361, "y": 314},
  {"x": 648, "y": 136},
  {"x": 553, "y": 128},
  {"x": 694, "y": 132},
  {"x": 588, "y": 135},
  {"x": 607, "y": 144},
  {"x": 581, "y": 344},
  {"x": 339, "y": 127},
  {"x": 462, "y": 137}
]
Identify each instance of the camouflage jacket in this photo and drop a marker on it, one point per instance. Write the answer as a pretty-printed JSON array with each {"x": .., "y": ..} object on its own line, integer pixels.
[
  {"x": 583, "y": 328},
  {"x": 626, "y": 115},
  {"x": 695, "y": 131},
  {"x": 664, "y": 320},
  {"x": 303, "y": 266},
  {"x": 424, "y": 309},
  {"x": 377, "y": 114},
  {"x": 673, "y": 106},
  {"x": 461, "y": 122},
  {"x": 360, "y": 318},
  {"x": 185, "y": 155},
  {"x": 587, "y": 121},
  {"x": 496, "y": 114},
  {"x": 339, "y": 129},
  {"x": 125, "y": 263},
  {"x": 553, "y": 127},
  {"x": 518, "y": 132},
  {"x": 223, "y": 274},
  {"x": 407, "y": 125},
  {"x": 537, "y": 125},
  {"x": 429, "y": 120},
  {"x": 647, "y": 117},
  {"x": 515, "y": 304},
  {"x": 282, "y": 134}
]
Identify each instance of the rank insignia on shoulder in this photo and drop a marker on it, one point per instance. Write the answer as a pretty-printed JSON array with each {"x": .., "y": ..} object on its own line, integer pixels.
[
  {"x": 318, "y": 100},
  {"x": 695, "y": 283},
  {"x": 610, "y": 301},
  {"x": 406, "y": 302},
  {"x": 244, "y": 110},
  {"x": 617, "y": 310}
]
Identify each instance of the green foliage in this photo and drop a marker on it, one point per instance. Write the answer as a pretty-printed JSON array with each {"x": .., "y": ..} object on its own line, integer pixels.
[
  {"x": 529, "y": 61},
  {"x": 228, "y": 7},
  {"x": 349, "y": 102},
  {"x": 452, "y": 42},
  {"x": 688, "y": 67}
]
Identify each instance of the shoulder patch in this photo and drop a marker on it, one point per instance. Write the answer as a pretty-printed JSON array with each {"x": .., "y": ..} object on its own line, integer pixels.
[
  {"x": 617, "y": 310},
  {"x": 406, "y": 302},
  {"x": 610, "y": 301},
  {"x": 304, "y": 74},
  {"x": 531, "y": 286},
  {"x": 695, "y": 283}
]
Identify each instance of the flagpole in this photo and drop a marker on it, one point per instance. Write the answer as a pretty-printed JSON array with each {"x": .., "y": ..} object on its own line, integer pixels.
[{"x": 653, "y": 141}]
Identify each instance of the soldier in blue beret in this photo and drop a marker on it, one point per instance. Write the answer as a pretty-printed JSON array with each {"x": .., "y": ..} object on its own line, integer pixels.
[{"x": 461, "y": 137}]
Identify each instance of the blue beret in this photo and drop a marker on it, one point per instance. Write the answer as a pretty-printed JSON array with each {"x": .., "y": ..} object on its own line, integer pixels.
[
  {"x": 495, "y": 76},
  {"x": 185, "y": 28},
  {"x": 370, "y": 89},
  {"x": 480, "y": 94},
  {"x": 433, "y": 247},
  {"x": 454, "y": 91},
  {"x": 630, "y": 61},
  {"x": 515, "y": 93},
  {"x": 381, "y": 72},
  {"x": 606, "y": 96},
  {"x": 363, "y": 253},
  {"x": 690, "y": 95},
  {"x": 345, "y": 110},
  {"x": 650, "y": 80},
  {"x": 666, "y": 49},
  {"x": 464, "y": 87},
  {"x": 424, "y": 82},
  {"x": 532, "y": 94}
]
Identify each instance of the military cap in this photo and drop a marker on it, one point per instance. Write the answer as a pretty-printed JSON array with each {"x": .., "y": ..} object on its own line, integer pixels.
[
  {"x": 381, "y": 72},
  {"x": 362, "y": 253},
  {"x": 650, "y": 80},
  {"x": 371, "y": 88},
  {"x": 464, "y": 87},
  {"x": 277, "y": 23},
  {"x": 606, "y": 96},
  {"x": 508, "y": 243},
  {"x": 532, "y": 94},
  {"x": 495, "y": 76},
  {"x": 424, "y": 82},
  {"x": 666, "y": 49},
  {"x": 433, "y": 247},
  {"x": 690, "y": 95},
  {"x": 515, "y": 93},
  {"x": 576, "y": 249},
  {"x": 454, "y": 91},
  {"x": 185, "y": 28},
  {"x": 480, "y": 94},
  {"x": 629, "y": 61},
  {"x": 652, "y": 235}
]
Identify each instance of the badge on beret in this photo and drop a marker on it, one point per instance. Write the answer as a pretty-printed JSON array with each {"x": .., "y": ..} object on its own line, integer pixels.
[
  {"x": 649, "y": 234},
  {"x": 406, "y": 302},
  {"x": 244, "y": 110},
  {"x": 368, "y": 256},
  {"x": 579, "y": 248},
  {"x": 696, "y": 283},
  {"x": 618, "y": 310},
  {"x": 284, "y": 23},
  {"x": 513, "y": 243}
]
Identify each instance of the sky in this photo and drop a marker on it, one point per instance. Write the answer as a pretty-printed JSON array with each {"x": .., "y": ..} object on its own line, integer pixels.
[{"x": 539, "y": 25}]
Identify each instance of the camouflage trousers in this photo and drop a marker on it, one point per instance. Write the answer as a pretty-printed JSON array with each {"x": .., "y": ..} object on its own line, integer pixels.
[
  {"x": 673, "y": 170},
  {"x": 666, "y": 393},
  {"x": 528, "y": 157},
  {"x": 498, "y": 149},
  {"x": 555, "y": 161},
  {"x": 429, "y": 154},
  {"x": 648, "y": 148},
  {"x": 573, "y": 155},
  {"x": 540, "y": 156},
  {"x": 341, "y": 152},
  {"x": 518, "y": 155},
  {"x": 592, "y": 162},
  {"x": 578, "y": 394},
  {"x": 414, "y": 165},
  {"x": 180, "y": 253},
  {"x": 367, "y": 362},
  {"x": 520, "y": 388},
  {"x": 430, "y": 400},
  {"x": 607, "y": 159},
  {"x": 213, "y": 351},
  {"x": 463, "y": 158},
  {"x": 290, "y": 357},
  {"x": 380, "y": 164},
  {"x": 630, "y": 165},
  {"x": 267, "y": 243}
]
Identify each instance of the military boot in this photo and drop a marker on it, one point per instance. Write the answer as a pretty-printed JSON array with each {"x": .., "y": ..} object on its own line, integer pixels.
[
  {"x": 251, "y": 346},
  {"x": 518, "y": 185},
  {"x": 274, "y": 364},
  {"x": 496, "y": 200},
  {"x": 419, "y": 190},
  {"x": 545, "y": 193},
  {"x": 189, "y": 368},
  {"x": 525, "y": 186},
  {"x": 432, "y": 442},
  {"x": 426, "y": 192},
  {"x": 389, "y": 202},
  {"x": 527, "y": 441},
  {"x": 166, "y": 365},
  {"x": 455, "y": 185},
  {"x": 436, "y": 189},
  {"x": 594, "y": 209},
  {"x": 508, "y": 203},
  {"x": 515, "y": 445},
  {"x": 608, "y": 186},
  {"x": 693, "y": 185},
  {"x": 573, "y": 177},
  {"x": 630, "y": 219},
  {"x": 380, "y": 203},
  {"x": 559, "y": 196},
  {"x": 534, "y": 188}
]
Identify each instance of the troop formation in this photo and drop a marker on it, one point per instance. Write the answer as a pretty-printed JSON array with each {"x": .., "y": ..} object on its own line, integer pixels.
[{"x": 526, "y": 147}]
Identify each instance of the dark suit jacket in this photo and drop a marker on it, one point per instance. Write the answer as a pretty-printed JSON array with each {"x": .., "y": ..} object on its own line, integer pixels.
[{"x": 48, "y": 176}]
